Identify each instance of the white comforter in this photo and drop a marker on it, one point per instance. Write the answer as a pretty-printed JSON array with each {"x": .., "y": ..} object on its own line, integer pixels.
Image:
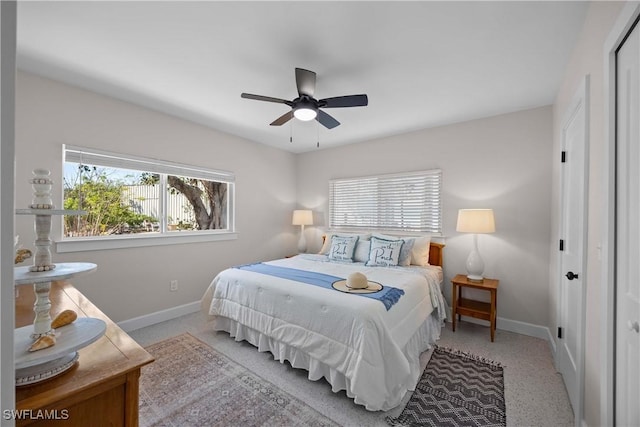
[{"x": 354, "y": 335}]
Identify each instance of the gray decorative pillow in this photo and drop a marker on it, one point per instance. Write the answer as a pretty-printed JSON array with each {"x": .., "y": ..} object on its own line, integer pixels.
[
  {"x": 384, "y": 253},
  {"x": 342, "y": 248},
  {"x": 362, "y": 251},
  {"x": 405, "y": 252}
]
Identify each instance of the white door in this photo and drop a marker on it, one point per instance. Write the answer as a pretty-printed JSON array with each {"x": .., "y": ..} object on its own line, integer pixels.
[
  {"x": 628, "y": 232},
  {"x": 572, "y": 281}
]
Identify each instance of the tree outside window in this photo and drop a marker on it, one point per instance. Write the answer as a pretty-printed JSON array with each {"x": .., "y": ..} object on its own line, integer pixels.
[{"x": 121, "y": 201}]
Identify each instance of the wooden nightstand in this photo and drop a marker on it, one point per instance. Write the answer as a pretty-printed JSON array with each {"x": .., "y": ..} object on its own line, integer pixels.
[{"x": 466, "y": 307}]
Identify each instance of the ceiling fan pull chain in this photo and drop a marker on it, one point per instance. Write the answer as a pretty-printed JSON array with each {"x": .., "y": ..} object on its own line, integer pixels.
[
  {"x": 291, "y": 132},
  {"x": 318, "y": 134}
]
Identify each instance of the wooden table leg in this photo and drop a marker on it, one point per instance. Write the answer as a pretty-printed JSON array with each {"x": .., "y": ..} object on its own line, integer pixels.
[
  {"x": 132, "y": 399},
  {"x": 459, "y": 298},
  {"x": 454, "y": 304},
  {"x": 493, "y": 313}
]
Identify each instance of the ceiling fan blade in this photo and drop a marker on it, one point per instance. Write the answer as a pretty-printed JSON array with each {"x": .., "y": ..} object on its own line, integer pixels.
[
  {"x": 306, "y": 82},
  {"x": 326, "y": 120},
  {"x": 344, "y": 101},
  {"x": 282, "y": 119},
  {"x": 265, "y": 98}
]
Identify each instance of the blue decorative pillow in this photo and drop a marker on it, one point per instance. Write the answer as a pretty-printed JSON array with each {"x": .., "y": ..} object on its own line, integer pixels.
[
  {"x": 384, "y": 253},
  {"x": 342, "y": 248}
]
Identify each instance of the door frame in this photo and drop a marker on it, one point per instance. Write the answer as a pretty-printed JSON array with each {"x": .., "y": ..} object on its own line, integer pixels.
[
  {"x": 8, "y": 25},
  {"x": 628, "y": 16},
  {"x": 581, "y": 100}
]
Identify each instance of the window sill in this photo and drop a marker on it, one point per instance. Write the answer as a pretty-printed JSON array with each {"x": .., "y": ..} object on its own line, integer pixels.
[{"x": 121, "y": 242}]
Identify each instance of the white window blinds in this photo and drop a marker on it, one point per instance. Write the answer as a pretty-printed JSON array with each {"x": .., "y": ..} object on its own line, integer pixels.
[
  {"x": 399, "y": 202},
  {"x": 106, "y": 159}
]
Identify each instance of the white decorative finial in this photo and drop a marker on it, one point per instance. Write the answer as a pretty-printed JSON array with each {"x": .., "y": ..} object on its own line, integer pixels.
[
  {"x": 41, "y": 184},
  {"x": 42, "y": 200}
]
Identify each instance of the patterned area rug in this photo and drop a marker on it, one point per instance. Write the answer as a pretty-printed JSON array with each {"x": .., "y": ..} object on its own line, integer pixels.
[
  {"x": 191, "y": 384},
  {"x": 456, "y": 389}
]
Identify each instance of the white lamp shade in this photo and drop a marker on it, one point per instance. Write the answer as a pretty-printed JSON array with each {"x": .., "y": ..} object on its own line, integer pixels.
[
  {"x": 302, "y": 217},
  {"x": 476, "y": 221}
]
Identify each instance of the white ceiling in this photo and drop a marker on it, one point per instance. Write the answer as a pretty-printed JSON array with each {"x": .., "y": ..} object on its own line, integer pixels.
[{"x": 422, "y": 64}]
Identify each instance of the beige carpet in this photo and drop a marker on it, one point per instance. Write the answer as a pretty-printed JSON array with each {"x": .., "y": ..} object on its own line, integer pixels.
[{"x": 191, "y": 384}]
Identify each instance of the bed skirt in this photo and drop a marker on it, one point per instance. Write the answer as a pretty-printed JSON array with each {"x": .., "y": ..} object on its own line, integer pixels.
[{"x": 421, "y": 341}]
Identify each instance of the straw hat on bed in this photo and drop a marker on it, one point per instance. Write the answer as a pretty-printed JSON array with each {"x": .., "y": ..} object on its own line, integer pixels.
[{"x": 357, "y": 283}]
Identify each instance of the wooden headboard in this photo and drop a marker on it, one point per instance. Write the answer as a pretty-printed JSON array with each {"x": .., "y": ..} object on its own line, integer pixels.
[{"x": 435, "y": 252}]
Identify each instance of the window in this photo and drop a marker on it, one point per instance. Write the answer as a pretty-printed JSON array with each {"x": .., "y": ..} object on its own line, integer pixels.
[
  {"x": 127, "y": 196},
  {"x": 400, "y": 202}
]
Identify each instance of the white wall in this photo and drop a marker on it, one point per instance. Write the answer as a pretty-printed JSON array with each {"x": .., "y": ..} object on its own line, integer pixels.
[
  {"x": 587, "y": 58},
  {"x": 500, "y": 162},
  {"x": 134, "y": 282}
]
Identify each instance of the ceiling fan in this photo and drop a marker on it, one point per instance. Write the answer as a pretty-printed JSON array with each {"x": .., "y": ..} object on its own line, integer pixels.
[{"x": 305, "y": 107}]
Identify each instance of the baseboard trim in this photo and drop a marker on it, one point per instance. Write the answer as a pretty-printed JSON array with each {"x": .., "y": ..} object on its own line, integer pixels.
[
  {"x": 159, "y": 316},
  {"x": 518, "y": 327},
  {"x": 552, "y": 346},
  {"x": 523, "y": 328}
]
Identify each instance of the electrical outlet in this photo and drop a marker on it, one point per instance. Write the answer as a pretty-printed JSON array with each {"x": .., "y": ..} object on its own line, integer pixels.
[{"x": 173, "y": 286}]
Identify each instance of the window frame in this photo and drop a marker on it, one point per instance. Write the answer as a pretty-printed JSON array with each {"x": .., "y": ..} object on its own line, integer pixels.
[
  {"x": 102, "y": 158},
  {"x": 433, "y": 183}
]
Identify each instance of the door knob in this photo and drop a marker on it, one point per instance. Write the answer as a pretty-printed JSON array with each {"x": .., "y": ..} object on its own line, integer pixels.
[
  {"x": 571, "y": 275},
  {"x": 633, "y": 326}
]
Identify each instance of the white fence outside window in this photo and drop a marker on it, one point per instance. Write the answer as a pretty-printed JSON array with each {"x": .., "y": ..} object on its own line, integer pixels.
[{"x": 145, "y": 199}]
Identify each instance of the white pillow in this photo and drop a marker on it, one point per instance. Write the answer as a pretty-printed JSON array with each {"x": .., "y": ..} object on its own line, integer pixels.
[
  {"x": 384, "y": 236},
  {"x": 342, "y": 248},
  {"x": 362, "y": 251},
  {"x": 384, "y": 253},
  {"x": 327, "y": 240},
  {"x": 420, "y": 251}
]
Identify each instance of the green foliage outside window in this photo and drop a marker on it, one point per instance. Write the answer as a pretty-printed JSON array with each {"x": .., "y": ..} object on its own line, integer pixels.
[
  {"x": 109, "y": 197},
  {"x": 94, "y": 191}
]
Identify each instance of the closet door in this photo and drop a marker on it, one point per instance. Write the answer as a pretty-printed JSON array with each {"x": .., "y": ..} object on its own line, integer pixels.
[{"x": 628, "y": 231}]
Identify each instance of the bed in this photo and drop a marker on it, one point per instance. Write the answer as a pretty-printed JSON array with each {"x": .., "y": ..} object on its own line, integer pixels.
[{"x": 365, "y": 346}]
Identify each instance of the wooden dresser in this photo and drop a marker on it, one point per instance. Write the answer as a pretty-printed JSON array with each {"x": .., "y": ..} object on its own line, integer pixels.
[{"x": 102, "y": 389}]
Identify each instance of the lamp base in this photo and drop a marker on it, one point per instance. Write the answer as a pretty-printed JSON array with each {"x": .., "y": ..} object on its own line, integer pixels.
[
  {"x": 475, "y": 264},
  {"x": 302, "y": 242},
  {"x": 474, "y": 278},
  {"x": 302, "y": 245}
]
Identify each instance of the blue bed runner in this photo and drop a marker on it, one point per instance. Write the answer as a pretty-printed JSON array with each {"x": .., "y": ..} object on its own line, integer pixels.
[{"x": 387, "y": 295}]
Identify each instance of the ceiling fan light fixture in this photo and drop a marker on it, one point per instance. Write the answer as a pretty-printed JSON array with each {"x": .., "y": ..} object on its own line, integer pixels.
[{"x": 305, "y": 113}]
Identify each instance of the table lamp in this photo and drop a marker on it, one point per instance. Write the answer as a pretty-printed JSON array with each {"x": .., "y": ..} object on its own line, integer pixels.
[
  {"x": 477, "y": 221},
  {"x": 302, "y": 217}
]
